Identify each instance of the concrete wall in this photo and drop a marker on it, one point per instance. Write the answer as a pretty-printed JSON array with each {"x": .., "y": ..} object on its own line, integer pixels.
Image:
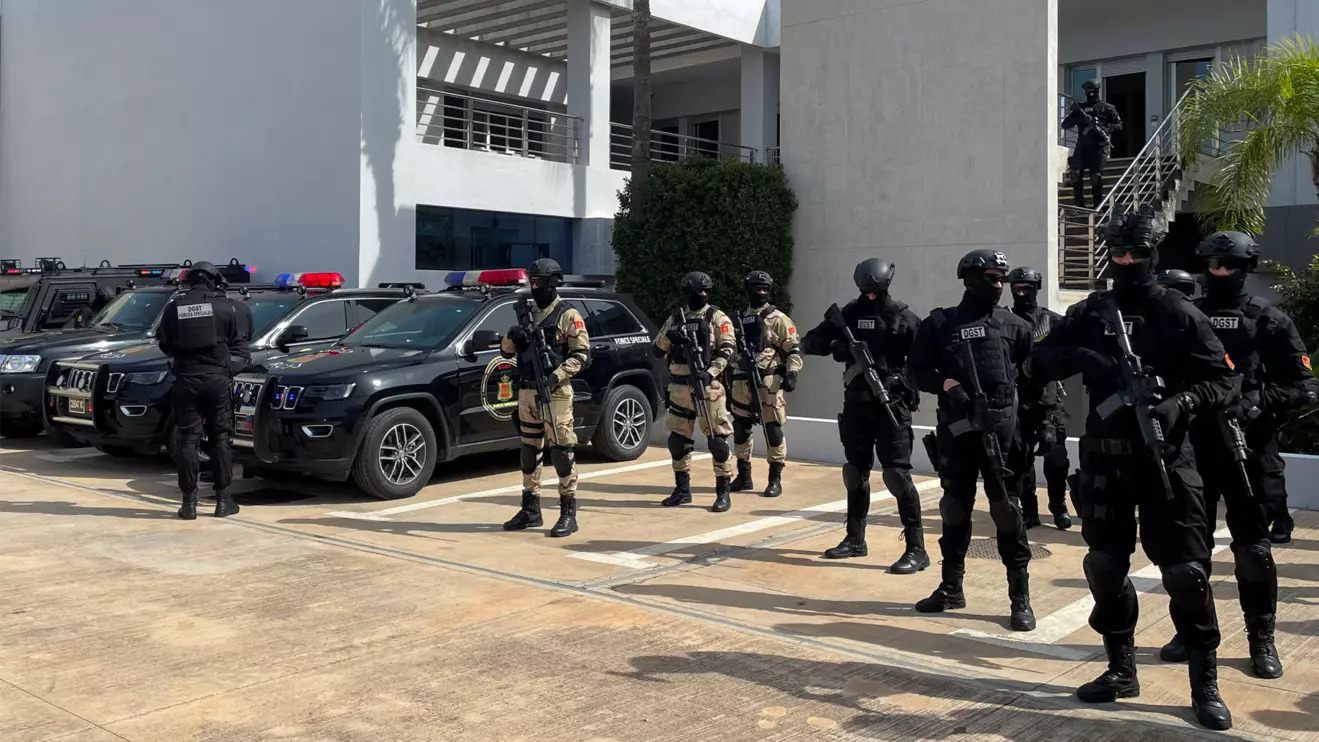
[
  {"x": 140, "y": 130},
  {"x": 1089, "y": 31},
  {"x": 886, "y": 162}
]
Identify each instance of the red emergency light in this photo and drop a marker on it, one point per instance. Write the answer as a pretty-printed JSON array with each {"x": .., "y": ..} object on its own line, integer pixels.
[
  {"x": 310, "y": 280},
  {"x": 502, "y": 277}
]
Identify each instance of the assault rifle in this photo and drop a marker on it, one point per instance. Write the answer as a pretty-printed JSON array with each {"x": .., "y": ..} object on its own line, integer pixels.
[
  {"x": 690, "y": 352},
  {"x": 1236, "y": 443},
  {"x": 863, "y": 363},
  {"x": 542, "y": 367},
  {"x": 1093, "y": 121},
  {"x": 977, "y": 421},
  {"x": 1140, "y": 389},
  {"x": 752, "y": 369}
]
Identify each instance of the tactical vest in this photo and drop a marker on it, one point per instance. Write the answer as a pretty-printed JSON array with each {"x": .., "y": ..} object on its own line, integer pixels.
[
  {"x": 700, "y": 327},
  {"x": 875, "y": 328},
  {"x": 1041, "y": 322},
  {"x": 753, "y": 328},
  {"x": 1237, "y": 327},
  {"x": 548, "y": 328},
  {"x": 198, "y": 328},
  {"x": 994, "y": 367}
]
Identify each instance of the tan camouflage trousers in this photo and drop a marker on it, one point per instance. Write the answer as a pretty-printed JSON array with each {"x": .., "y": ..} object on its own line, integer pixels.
[
  {"x": 773, "y": 408},
  {"x": 683, "y": 420},
  {"x": 536, "y": 436}
]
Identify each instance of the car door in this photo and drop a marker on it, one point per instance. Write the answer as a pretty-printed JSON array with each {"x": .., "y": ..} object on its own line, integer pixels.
[
  {"x": 326, "y": 321},
  {"x": 487, "y": 383}
]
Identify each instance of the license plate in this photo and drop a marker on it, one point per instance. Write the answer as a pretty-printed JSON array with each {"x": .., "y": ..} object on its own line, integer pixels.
[
  {"x": 77, "y": 407},
  {"x": 244, "y": 423}
]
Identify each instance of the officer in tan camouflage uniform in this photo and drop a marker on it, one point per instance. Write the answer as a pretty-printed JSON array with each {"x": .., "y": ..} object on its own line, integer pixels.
[
  {"x": 565, "y": 334},
  {"x": 772, "y": 337},
  {"x": 715, "y": 346}
]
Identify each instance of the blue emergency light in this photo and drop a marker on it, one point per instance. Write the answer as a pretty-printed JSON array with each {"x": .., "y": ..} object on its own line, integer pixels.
[{"x": 505, "y": 277}]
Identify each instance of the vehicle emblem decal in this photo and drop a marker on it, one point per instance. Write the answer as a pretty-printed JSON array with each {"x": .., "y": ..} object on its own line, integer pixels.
[{"x": 499, "y": 388}]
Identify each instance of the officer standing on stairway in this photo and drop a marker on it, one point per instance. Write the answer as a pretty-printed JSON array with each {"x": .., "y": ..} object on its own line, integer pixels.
[
  {"x": 202, "y": 331},
  {"x": 1135, "y": 454},
  {"x": 716, "y": 345},
  {"x": 771, "y": 337},
  {"x": 1095, "y": 122},
  {"x": 564, "y": 332},
  {"x": 1267, "y": 352},
  {"x": 1041, "y": 419},
  {"x": 887, "y": 327},
  {"x": 970, "y": 356}
]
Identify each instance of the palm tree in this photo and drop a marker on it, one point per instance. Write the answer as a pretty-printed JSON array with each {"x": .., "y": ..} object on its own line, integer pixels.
[
  {"x": 640, "y": 112},
  {"x": 1276, "y": 97}
]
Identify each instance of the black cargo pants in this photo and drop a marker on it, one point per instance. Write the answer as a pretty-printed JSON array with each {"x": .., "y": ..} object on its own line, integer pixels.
[{"x": 204, "y": 402}]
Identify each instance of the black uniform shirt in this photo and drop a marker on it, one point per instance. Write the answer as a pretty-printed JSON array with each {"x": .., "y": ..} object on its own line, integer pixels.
[
  {"x": 198, "y": 352},
  {"x": 1000, "y": 343}
]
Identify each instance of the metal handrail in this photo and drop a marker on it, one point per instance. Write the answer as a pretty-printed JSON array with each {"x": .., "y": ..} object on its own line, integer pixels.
[
  {"x": 772, "y": 156},
  {"x": 1079, "y": 264},
  {"x": 453, "y": 119},
  {"x": 668, "y": 147}
]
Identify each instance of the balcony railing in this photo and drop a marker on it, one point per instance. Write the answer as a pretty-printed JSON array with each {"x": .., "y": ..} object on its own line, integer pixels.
[
  {"x": 772, "y": 156},
  {"x": 451, "y": 119},
  {"x": 668, "y": 147},
  {"x": 1066, "y": 137}
]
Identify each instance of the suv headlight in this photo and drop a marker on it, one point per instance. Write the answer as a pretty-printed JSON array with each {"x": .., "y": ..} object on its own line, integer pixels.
[
  {"x": 19, "y": 364},
  {"x": 145, "y": 378},
  {"x": 336, "y": 391}
]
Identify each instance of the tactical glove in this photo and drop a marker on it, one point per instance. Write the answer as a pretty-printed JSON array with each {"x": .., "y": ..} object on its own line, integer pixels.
[
  {"x": 790, "y": 381},
  {"x": 521, "y": 339},
  {"x": 958, "y": 399},
  {"x": 675, "y": 336},
  {"x": 841, "y": 352}
]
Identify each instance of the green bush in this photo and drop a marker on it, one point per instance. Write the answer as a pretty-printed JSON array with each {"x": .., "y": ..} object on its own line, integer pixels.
[
  {"x": 1299, "y": 293},
  {"x": 722, "y": 217}
]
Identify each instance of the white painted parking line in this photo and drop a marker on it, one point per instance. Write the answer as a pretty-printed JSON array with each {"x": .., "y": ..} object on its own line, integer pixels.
[
  {"x": 1067, "y": 620},
  {"x": 65, "y": 457},
  {"x": 384, "y": 515},
  {"x": 634, "y": 559}
]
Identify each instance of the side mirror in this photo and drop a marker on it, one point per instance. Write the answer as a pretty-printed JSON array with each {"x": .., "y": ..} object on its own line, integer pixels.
[
  {"x": 479, "y": 341},
  {"x": 291, "y": 335}
]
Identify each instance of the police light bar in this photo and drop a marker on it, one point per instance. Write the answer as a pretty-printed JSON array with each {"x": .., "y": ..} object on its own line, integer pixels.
[
  {"x": 178, "y": 274},
  {"x": 506, "y": 277},
  {"x": 11, "y": 267},
  {"x": 309, "y": 280}
]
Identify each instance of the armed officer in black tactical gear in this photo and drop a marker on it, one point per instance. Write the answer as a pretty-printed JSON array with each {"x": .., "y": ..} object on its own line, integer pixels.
[
  {"x": 1095, "y": 122},
  {"x": 970, "y": 356},
  {"x": 1041, "y": 419},
  {"x": 1135, "y": 454},
  {"x": 1179, "y": 281},
  {"x": 1267, "y": 353},
  {"x": 202, "y": 331},
  {"x": 888, "y": 328}
]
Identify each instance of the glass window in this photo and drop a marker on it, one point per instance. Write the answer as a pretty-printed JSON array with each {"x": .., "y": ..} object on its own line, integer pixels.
[
  {"x": 612, "y": 318},
  {"x": 1183, "y": 73},
  {"x": 368, "y": 308},
  {"x": 267, "y": 311},
  {"x": 11, "y": 300},
  {"x": 70, "y": 302},
  {"x": 465, "y": 239},
  {"x": 1079, "y": 76},
  {"x": 707, "y": 134},
  {"x": 500, "y": 319},
  {"x": 422, "y": 324},
  {"x": 324, "y": 321},
  {"x": 133, "y": 310}
]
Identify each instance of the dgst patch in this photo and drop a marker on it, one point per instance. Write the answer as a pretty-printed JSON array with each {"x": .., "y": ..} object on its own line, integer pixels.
[
  {"x": 1131, "y": 328},
  {"x": 1225, "y": 323},
  {"x": 865, "y": 324},
  {"x": 195, "y": 311},
  {"x": 973, "y": 333}
]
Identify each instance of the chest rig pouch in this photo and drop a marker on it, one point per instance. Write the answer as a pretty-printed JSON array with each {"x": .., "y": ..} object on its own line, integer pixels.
[
  {"x": 1237, "y": 328},
  {"x": 198, "y": 328},
  {"x": 871, "y": 327},
  {"x": 989, "y": 350},
  {"x": 753, "y": 328},
  {"x": 699, "y": 327},
  {"x": 547, "y": 328}
]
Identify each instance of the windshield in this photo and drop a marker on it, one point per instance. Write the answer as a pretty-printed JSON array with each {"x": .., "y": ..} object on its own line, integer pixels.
[
  {"x": 132, "y": 310},
  {"x": 11, "y": 300},
  {"x": 267, "y": 311},
  {"x": 422, "y": 324}
]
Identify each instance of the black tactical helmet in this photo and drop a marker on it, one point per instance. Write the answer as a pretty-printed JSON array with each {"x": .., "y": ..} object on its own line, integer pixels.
[
  {"x": 982, "y": 260},
  {"x": 758, "y": 278},
  {"x": 1091, "y": 84},
  {"x": 1234, "y": 248},
  {"x": 1179, "y": 280},
  {"x": 874, "y": 275},
  {"x": 1026, "y": 274},
  {"x": 696, "y": 281},
  {"x": 1140, "y": 230},
  {"x": 204, "y": 270},
  {"x": 545, "y": 268}
]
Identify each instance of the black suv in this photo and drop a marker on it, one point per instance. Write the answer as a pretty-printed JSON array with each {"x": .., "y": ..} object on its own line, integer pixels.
[
  {"x": 119, "y": 400},
  {"x": 423, "y": 382}
]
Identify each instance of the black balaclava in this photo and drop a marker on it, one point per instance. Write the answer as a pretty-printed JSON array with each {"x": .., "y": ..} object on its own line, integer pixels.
[
  {"x": 545, "y": 292},
  {"x": 757, "y": 296},
  {"x": 1092, "y": 95},
  {"x": 696, "y": 300},
  {"x": 1224, "y": 289},
  {"x": 1027, "y": 300},
  {"x": 981, "y": 291}
]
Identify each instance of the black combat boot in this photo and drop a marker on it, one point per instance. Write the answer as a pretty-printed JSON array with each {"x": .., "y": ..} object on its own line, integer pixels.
[
  {"x": 1030, "y": 521},
  {"x": 1264, "y": 660},
  {"x": 567, "y": 524},
  {"x": 948, "y": 596},
  {"x": 1023, "y": 618},
  {"x": 225, "y": 505},
  {"x": 682, "y": 490},
  {"x": 528, "y": 516},
  {"x": 1119, "y": 680},
  {"x": 775, "y": 486},
  {"x": 1208, "y": 705},
  {"x": 1281, "y": 532},
  {"x": 721, "y": 500},
  {"x": 189, "y": 509},
  {"x": 743, "y": 481},
  {"x": 853, "y": 544},
  {"x": 914, "y": 559},
  {"x": 1062, "y": 520},
  {"x": 1174, "y": 650}
]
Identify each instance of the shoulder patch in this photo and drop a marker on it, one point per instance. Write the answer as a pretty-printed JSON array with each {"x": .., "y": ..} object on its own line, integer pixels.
[
  {"x": 1230, "y": 364},
  {"x": 1305, "y": 361}
]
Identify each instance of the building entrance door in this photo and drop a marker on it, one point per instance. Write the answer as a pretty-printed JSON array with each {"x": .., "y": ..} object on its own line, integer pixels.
[{"x": 1127, "y": 94}]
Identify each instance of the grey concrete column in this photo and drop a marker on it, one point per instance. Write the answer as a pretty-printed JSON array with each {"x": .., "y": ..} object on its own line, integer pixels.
[
  {"x": 588, "y": 77},
  {"x": 1156, "y": 97},
  {"x": 760, "y": 100}
]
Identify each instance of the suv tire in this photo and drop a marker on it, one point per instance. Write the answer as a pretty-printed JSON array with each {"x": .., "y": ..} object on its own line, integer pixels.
[
  {"x": 385, "y": 472},
  {"x": 623, "y": 432}
]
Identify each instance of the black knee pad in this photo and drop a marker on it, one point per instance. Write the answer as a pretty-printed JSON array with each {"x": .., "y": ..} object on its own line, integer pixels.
[
  {"x": 853, "y": 478},
  {"x": 1255, "y": 563},
  {"x": 954, "y": 512},
  {"x": 1006, "y": 514},
  {"x": 898, "y": 482},
  {"x": 719, "y": 448},
  {"x": 1186, "y": 583},
  {"x": 1105, "y": 572},
  {"x": 529, "y": 459},
  {"x": 773, "y": 433},
  {"x": 679, "y": 446},
  {"x": 741, "y": 430},
  {"x": 563, "y": 460}
]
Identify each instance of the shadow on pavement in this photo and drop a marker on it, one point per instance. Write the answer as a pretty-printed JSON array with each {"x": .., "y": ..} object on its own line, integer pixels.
[{"x": 47, "y": 507}]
